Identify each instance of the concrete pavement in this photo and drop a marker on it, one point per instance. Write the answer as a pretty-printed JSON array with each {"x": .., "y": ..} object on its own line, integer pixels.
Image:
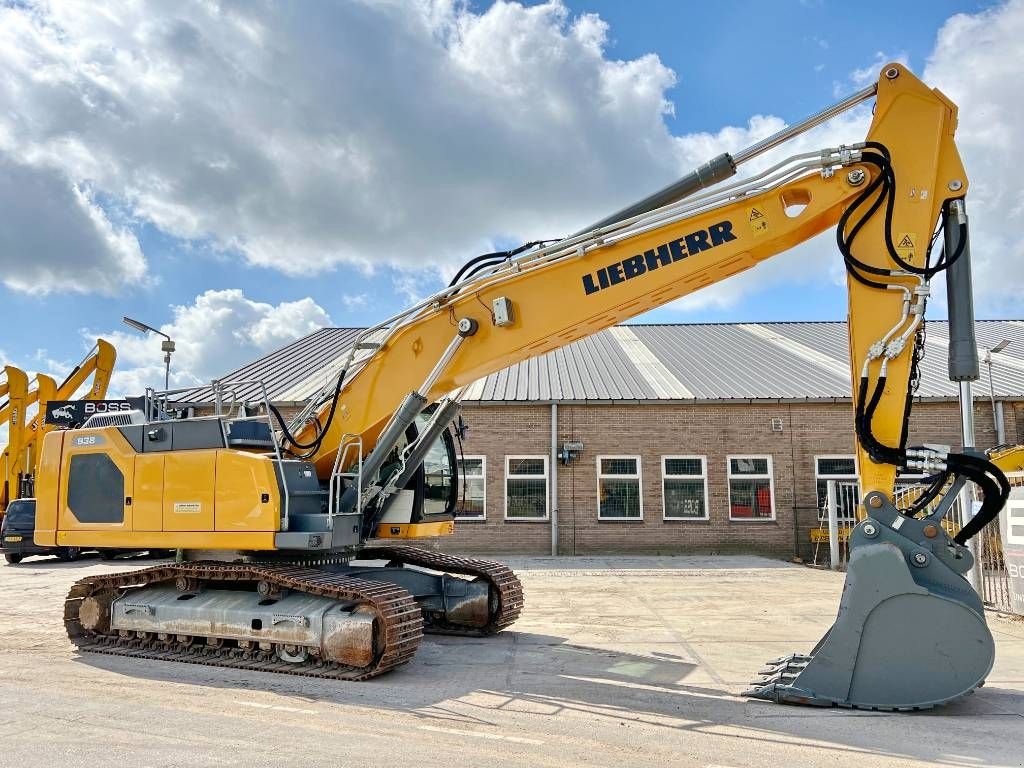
[{"x": 616, "y": 662}]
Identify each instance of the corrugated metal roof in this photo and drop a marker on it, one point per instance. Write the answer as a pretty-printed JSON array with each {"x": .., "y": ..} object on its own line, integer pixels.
[
  {"x": 720, "y": 361},
  {"x": 284, "y": 369}
]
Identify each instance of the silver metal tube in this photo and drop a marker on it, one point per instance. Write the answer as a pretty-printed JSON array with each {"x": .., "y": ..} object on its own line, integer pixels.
[
  {"x": 1000, "y": 423},
  {"x": 833, "y": 526},
  {"x": 804, "y": 125},
  {"x": 438, "y": 369},
  {"x": 554, "y": 479},
  {"x": 444, "y": 415},
  {"x": 974, "y": 576}
]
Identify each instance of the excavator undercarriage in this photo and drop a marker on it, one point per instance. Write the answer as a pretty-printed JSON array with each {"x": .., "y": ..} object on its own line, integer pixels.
[{"x": 333, "y": 620}]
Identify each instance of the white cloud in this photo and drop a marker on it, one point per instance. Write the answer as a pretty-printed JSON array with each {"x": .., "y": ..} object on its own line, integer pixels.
[
  {"x": 410, "y": 133},
  {"x": 354, "y": 300},
  {"x": 977, "y": 62},
  {"x": 54, "y": 238},
  {"x": 216, "y": 333}
]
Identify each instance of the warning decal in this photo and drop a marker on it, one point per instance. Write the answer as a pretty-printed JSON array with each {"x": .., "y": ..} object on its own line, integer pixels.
[
  {"x": 906, "y": 245},
  {"x": 758, "y": 221}
]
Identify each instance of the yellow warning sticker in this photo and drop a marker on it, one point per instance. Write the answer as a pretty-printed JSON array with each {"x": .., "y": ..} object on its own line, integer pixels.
[
  {"x": 758, "y": 221},
  {"x": 906, "y": 245}
]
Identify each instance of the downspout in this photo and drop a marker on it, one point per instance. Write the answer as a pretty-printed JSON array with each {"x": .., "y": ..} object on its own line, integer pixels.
[
  {"x": 1000, "y": 423},
  {"x": 554, "y": 479}
]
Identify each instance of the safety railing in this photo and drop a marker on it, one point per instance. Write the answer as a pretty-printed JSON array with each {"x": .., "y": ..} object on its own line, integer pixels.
[
  {"x": 840, "y": 504},
  {"x": 336, "y": 484}
]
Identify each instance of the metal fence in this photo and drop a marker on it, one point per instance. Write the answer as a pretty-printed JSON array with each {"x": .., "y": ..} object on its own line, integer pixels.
[{"x": 995, "y": 582}]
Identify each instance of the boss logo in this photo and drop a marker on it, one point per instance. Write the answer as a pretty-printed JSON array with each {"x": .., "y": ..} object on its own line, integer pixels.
[
  {"x": 68, "y": 413},
  {"x": 105, "y": 406}
]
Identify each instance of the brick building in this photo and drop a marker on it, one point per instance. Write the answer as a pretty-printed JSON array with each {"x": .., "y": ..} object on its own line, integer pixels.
[{"x": 672, "y": 438}]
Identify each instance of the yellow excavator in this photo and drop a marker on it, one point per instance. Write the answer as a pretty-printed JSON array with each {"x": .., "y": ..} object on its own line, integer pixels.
[
  {"x": 21, "y": 454},
  {"x": 279, "y": 523}
]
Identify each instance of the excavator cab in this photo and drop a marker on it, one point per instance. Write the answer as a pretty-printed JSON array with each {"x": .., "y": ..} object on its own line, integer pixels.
[{"x": 426, "y": 504}]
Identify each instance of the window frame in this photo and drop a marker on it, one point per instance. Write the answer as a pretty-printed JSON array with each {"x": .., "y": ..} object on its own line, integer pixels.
[
  {"x": 482, "y": 517},
  {"x": 547, "y": 487},
  {"x": 639, "y": 477},
  {"x": 703, "y": 476},
  {"x": 818, "y": 477},
  {"x": 729, "y": 477}
]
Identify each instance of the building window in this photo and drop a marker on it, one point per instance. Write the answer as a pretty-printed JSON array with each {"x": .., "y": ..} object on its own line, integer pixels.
[
  {"x": 526, "y": 487},
  {"x": 684, "y": 486},
  {"x": 843, "y": 470},
  {"x": 472, "y": 500},
  {"x": 751, "y": 488},
  {"x": 618, "y": 488}
]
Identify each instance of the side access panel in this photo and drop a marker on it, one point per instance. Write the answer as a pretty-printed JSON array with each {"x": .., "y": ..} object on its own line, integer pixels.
[
  {"x": 148, "y": 497},
  {"x": 247, "y": 495},
  {"x": 97, "y": 474},
  {"x": 189, "y": 482}
]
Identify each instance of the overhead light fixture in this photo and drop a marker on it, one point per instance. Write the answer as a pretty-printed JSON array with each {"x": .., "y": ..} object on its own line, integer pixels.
[{"x": 166, "y": 346}]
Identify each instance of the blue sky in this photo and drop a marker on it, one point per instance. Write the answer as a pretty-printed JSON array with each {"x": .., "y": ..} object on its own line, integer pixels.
[{"x": 183, "y": 235}]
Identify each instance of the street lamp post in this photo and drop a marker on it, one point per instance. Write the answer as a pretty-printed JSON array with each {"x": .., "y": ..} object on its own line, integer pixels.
[
  {"x": 166, "y": 346},
  {"x": 991, "y": 387}
]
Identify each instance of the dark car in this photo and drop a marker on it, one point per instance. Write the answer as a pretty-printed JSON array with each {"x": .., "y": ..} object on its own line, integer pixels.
[{"x": 16, "y": 534}]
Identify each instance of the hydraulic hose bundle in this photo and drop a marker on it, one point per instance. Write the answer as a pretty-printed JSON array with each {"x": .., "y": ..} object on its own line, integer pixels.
[{"x": 881, "y": 191}]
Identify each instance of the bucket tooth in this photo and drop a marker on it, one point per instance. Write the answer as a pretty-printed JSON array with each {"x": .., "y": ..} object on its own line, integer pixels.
[
  {"x": 787, "y": 659},
  {"x": 791, "y": 666},
  {"x": 910, "y": 633}
]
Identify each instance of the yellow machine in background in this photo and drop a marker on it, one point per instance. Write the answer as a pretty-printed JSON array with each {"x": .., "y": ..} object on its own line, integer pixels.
[
  {"x": 21, "y": 454},
  {"x": 273, "y": 519},
  {"x": 12, "y": 413}
]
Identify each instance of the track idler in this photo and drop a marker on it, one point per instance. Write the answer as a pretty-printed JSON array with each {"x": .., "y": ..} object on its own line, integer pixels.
[{"x": 911, "y": 631}]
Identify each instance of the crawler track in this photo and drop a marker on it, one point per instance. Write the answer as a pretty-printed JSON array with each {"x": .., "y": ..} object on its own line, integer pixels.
[
  {"x": 400, "y": 621},
  {"x": 506, "y": 584}
]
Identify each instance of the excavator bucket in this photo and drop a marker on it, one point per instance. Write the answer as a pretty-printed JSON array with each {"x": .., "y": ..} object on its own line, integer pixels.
[{"x": 910, "y": 634}]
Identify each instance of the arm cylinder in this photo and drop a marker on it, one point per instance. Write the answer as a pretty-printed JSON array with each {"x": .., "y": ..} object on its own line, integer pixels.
[{"x": 709, "y": 174}]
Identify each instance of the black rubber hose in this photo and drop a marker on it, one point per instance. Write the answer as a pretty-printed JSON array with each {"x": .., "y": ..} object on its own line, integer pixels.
[
  {"x": 313, "y": 446},
  {"x": 994, "y": 485}
]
